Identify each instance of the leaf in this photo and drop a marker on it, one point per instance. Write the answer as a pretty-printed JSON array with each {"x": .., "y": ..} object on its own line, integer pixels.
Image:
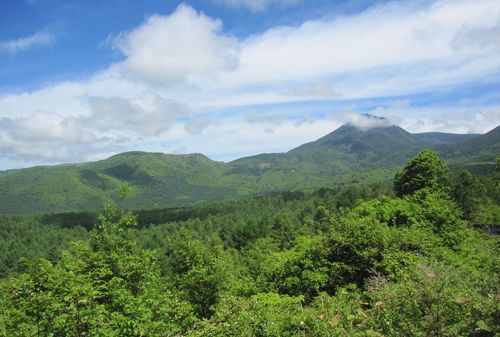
[
  {"x": 335, "y": 320},
  {"x": 481, "y": 325},
  {"x": 371, "y": 333}
]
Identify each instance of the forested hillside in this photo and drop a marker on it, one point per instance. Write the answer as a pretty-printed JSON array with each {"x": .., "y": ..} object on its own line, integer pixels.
[
  {"x": 411, "y": 257},
  {"x": 350, "y": 154}
]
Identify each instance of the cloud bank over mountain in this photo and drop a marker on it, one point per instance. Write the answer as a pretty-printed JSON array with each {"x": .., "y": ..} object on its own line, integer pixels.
[{"x": 367, "y": 121}]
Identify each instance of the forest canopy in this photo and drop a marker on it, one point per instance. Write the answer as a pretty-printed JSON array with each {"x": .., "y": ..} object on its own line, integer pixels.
[{"x": 364, "y": 260}]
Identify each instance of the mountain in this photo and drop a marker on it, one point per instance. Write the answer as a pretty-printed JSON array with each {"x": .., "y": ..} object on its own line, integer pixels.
[
  {"x": 478, "y": 154},
  {"x": 364, "y": 147},
  {"x": 480, "y": 148},
  {"x": 438, "y": 138},
  {"x": 352, "y": 153},
  {"x": 157, "y": 180},
  {"x": 375, "y": 143}
]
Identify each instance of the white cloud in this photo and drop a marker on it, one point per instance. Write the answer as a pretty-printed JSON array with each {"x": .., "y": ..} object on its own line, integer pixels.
[
  {"x": 263, "y": 117},
  {"x": 46, "y": 135},
  {"x": 306, "y": 119},
  {"x": 258, "y": 5},
  {"x": 146, "y": 115},
  {"x": 231, "y": 103},
  {"x": 197, "y": 124},
  {"x": 400, "y": 103},
  {"x": 236, "y": 138},
  {"x": 44, "y": 125},
  {"x": 175, "y": 48},
  {"x": 314, "y": 90},
  {"x": 452, "y": 119},
  {"x": 394, "y": 48},
  {"x": 478, "y": 39},
  {"x": 60, "y": 98},
  {"x": 25, "y": 43},
  {"x": 367, "y": 121}
]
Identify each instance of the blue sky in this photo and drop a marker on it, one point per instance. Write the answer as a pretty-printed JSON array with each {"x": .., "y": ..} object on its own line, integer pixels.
[
  {"x": 78, "y": 30},
  {"x": 82, "y": 80}
]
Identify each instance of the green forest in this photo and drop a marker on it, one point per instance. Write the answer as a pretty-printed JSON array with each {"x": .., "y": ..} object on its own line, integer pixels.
[{"x": 415, "y": 256}]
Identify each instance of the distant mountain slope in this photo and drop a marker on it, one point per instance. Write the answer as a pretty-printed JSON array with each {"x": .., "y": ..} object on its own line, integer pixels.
[
  {"x": 349, "y": 154},
  {"x": 478, "y": 154},
  {"x": 349, "y": 148},
  {"x": 367, "y": 147},
  {"x": 157, "y": 180},
  {"x": 437, "y": 138},
  {"x": 484, "y": 147}
]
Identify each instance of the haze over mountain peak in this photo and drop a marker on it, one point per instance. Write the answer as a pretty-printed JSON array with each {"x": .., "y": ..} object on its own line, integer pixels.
[{"x": 367, "y": 121}]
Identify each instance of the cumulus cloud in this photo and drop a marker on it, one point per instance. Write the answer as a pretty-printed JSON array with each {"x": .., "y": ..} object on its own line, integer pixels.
[
  {"x": 98, "y": 123},
  {"x": 44, "y": 125},
  {"x": 46, "y": 135},
  {"x": 315, "y": 90},
  {"x": 25, "y": 43},
  {"x": 145, "y": 115},
  {"x": 176, "y": 48},
  {"x": 258, "y": 5}
]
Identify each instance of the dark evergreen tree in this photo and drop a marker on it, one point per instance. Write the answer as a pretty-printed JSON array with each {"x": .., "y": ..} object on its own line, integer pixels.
[{"x": 468, "y": 193}]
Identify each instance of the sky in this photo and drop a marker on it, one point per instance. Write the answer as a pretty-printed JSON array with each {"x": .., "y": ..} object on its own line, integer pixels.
[{"x": 84, "y": 80}]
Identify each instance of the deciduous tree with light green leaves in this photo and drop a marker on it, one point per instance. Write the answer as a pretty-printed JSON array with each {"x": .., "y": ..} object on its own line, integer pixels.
[
  {"x": 106, "y": 286},
  {"x": 425, "y": 170}
]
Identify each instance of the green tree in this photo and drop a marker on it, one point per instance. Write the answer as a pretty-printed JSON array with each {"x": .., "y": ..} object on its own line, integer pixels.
[
  {"x": 263, "y": 315},
  {"x": 468, "y": 193},
  {"x": 284, "y": 230},
  {"x": 106, "y": 286},
  {"x": 425, "y": 170},
  {"x": 435, "y": 300},
  {"x": 497, "y": 172},
  {"x": 302, "y": 270},
  {"x": 196, "y": 270}
]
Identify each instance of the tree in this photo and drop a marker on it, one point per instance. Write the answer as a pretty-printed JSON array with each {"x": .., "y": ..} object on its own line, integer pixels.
[
  {"x": 197, "y": 271},
  {"x": 497, "y": 172},
  {"x": 425, "y": 170},
  {"x": 469, "y": 194},
  {"x": 106, "y": 286}
]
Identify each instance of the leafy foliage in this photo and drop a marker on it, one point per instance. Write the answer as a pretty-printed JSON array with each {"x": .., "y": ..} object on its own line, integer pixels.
[
  {"x": 426, "y": 170},
  {"x": 104, "y": 286},
  {"x": 356, "y": 261}
]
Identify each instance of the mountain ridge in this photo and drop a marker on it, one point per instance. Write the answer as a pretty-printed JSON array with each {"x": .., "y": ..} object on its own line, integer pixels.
[{"x": 344, "y": 156}]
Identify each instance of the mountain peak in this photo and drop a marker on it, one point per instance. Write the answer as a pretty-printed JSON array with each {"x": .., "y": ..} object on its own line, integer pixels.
[
  {"x": 370, "y": 116},
  {"x": 368, "y": 121}
]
